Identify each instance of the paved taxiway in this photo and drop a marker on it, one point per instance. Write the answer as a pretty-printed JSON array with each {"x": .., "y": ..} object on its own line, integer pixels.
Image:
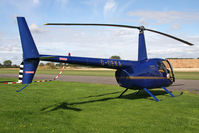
[{"x": 180, "y": 84}]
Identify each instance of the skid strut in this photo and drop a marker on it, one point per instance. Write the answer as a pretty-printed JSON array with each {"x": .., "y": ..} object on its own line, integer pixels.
[
  {"x": 168, "y": 91},
  {"x": 123, "y": 92},
  {"x": 151, "y": 94}
]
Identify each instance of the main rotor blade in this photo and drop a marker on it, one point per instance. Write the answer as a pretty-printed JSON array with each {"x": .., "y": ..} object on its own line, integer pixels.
[
  {"x": 141, "y": 28},
  {"x": 183, "y": 41},
  {"x": 92, "y": 24}
]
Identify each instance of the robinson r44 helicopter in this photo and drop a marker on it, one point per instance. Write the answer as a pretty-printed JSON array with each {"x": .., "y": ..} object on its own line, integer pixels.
[{"x": 142, "y": 74}]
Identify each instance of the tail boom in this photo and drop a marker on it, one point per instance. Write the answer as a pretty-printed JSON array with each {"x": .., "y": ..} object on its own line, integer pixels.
[{"x": 98, "y": 62}]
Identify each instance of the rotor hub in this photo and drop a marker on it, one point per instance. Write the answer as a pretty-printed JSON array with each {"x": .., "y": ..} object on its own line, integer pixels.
[{"x": 141, "y": 28}]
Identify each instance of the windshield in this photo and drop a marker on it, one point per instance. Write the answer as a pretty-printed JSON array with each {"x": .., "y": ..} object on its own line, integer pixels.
[
  {"x": 167, "y": 65},
  {"x": 162, "y": 67}
]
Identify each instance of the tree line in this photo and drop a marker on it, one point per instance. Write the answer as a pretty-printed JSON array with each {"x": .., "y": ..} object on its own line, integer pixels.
[{"x": 8, "y": 64}]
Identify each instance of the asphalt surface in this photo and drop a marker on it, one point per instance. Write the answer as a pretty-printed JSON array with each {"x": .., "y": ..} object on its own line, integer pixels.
[{"x": 180, "y": 84}]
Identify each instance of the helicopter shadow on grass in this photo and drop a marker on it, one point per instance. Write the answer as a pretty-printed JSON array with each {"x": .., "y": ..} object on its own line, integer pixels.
[
  {"x": 70, "y": 106},
  {"x": 117, "y": 92}
]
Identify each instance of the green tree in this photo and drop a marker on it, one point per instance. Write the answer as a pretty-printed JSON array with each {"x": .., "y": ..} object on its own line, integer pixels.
[
  {"x": 14, "y": 66},
  {"x": 60, "y": 64},
  {"x": 41, "y": 64},
  {"x": 51, "y": 65},
  {"x": 7, "y": 63},
  {"x": 115, "y": 57}
]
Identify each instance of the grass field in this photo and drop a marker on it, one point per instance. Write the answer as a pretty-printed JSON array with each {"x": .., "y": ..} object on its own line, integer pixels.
[
  {"x": 178, "y": 75},
  {"x": 70, "y": 107},
  {"x": 187, "y": 75}
]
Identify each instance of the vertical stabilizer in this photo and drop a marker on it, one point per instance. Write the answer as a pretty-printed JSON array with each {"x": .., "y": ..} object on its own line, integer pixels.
[
  {"x": 30, "y": 52},
  {"x": 142, "y": 53},
  {"x": 28, "y": 45}
]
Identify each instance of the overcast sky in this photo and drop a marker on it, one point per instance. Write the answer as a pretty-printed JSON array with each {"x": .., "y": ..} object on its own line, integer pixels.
[{"x": 179, "y": 18}]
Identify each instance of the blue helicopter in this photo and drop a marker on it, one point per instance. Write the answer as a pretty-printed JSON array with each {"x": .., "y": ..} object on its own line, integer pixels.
[{"x": 142, "y": 74}]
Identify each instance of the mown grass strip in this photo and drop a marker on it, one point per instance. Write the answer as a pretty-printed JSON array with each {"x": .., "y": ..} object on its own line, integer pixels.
[{"x": 81, "y": 107}]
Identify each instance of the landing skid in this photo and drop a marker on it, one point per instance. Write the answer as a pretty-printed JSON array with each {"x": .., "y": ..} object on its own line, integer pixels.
[
  {"x": 165, "y": 90},
  {"x": 179, "y": 94},
  {"x": 155, "y": 98},
  {"x": 171, "y": 93}
]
